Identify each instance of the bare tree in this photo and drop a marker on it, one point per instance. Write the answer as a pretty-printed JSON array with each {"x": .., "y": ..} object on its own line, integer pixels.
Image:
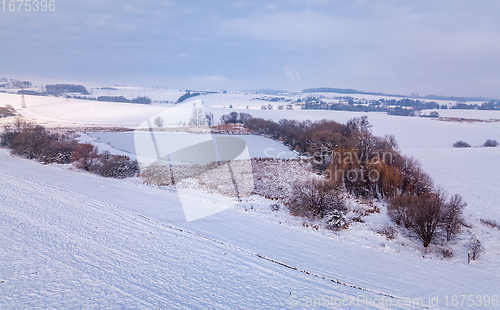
[
  {"x": 85, "y": 156},
  {"x": 428, "y": 215},
  {"x": 198, "y": 117},
  {"x": 475, "y": 247},
  {"x": 210, "y": 118},
  {"x": 315, "y": 198},
  {"x": 158, "y": 122},
  {"x": 452, "y": 216}
]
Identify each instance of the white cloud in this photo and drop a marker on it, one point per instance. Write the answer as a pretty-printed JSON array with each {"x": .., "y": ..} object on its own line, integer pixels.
[{"x": 291, "y": 74}]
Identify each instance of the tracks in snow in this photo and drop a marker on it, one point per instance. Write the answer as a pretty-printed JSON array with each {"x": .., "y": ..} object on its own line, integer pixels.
[{"x": 207, "y": 238}]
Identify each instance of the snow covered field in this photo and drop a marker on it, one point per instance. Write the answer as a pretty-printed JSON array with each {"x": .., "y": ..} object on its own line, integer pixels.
[
  {"x": 475, "y": 171},
  {"x": 75, "y": 240}
]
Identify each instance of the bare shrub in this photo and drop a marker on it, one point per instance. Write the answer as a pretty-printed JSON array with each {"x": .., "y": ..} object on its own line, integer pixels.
[
  {"x": 85, "y": 156},
  {"x": 475, "y": 248},
  {"x": 157, "y": 175},
  {"x": 29, "y": 142},
  {"x": 452, "y": 219},
  {"x": 428, "y": 215},
  {"x": 426, "y": 218},
  {"x": 358, "y": 218},
  {"x": 58, "y": 151},
  {"x": 117, "y": 166},
  {"x": 461, "y": 144},
  {"x": 490, "y": 223},
  {"x": 390, "y": 232},
  {"x": 491, "y": 143},
  {"x": 275, "y": 207},
  {"x": 6, "y": 111},
  {"x": 35, "y": 142},
  {"x": 400, "y": 209},
  {"x": 446, "y": 252},
  {"x": 158, "y": 122},
  {"x": 315, "y": 198},
  {"x": 337, "y": 220}
]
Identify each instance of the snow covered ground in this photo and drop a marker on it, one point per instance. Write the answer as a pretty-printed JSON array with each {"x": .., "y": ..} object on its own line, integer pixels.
[
  {"x": 75, "y": 240},
  {"x": 474, "y": 173}
]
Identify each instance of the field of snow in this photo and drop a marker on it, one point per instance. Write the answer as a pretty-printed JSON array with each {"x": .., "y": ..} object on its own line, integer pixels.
[
  {"x": 474, "y": 173},
  {"x": 81, "y": 112},
  {"x": 156, "y": 94},
  {"x": 470, "y": 114},
  {"x": 75, "y": 240}
]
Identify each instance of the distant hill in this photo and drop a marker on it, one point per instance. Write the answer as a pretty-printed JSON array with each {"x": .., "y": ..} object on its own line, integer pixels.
[
  {"x": 342, "y": 91},
  {"x": 267, "y": 91}
]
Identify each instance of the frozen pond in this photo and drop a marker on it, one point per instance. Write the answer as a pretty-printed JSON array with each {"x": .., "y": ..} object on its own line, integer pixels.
[{"x": 124, "y": 143}]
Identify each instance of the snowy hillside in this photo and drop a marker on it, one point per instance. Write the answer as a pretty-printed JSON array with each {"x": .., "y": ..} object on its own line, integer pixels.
[{"x": 75, "y": 240}]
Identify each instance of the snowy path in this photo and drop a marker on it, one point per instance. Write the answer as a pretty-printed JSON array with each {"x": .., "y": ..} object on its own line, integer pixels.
[{"x": 78, "y": 240}]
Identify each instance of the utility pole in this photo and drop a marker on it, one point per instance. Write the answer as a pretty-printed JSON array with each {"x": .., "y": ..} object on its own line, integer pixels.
[{"x": 23, "y": 101}]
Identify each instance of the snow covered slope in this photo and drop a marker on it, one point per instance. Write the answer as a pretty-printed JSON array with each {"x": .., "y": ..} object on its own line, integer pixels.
[
  {"x": 75, "y": 111},
  {"x": 75, "y": 240}
]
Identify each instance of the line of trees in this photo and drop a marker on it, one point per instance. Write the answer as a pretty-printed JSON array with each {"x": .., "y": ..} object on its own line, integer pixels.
[
  {"x": 36, "y": 142},
  {"x": 489, "y": 105},
  {"x": 402, "y": 107},
  {"x": 235, "y": 118},
  {"x": 58, "y": 89},
  {"x": 141, "y": 100},
  {"x": 187, "y": 95}
]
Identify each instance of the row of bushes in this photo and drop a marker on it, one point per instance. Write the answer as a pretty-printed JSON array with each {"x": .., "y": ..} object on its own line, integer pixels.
[
  {"x": 7, "y": 111},
  {"x": 35, "y": 142},
  {"x": 488, "y": 143}
]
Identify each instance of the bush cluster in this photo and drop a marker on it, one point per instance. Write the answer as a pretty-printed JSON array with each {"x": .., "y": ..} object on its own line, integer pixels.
[
  {"x": 6, "y": 111},
  {"x": 461, "y": 144},
  {"x": 235, "y": 118},
  {"x": 315, "y": 198},
  {"x": 491, "y": 143},
  {"x": 429, "y": 216},
  {"x": 350, "y": 155},
  {"x": 356, "y": 161},
  {"x": 35, "y": 142}
]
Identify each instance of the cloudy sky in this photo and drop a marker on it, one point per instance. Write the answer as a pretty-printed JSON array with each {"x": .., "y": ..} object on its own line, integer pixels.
[{"x": 447, "y": 47}]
